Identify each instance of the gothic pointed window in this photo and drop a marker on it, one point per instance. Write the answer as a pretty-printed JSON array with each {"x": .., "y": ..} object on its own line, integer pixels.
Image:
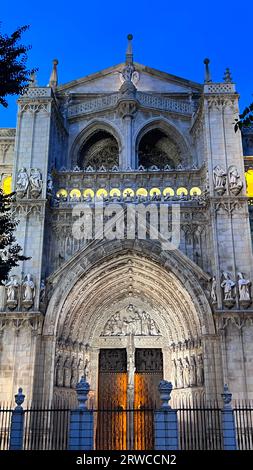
[
  {"x": 156, "y": 149},
  {"x": 99, "y": 150}
]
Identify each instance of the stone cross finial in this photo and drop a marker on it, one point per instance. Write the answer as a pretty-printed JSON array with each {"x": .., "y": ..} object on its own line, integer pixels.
[
  {"x": 19, "y": 399},
  {"x": 165, "y": 389},
  {"x": 226, "y": 397},
  {"x": 129, "y": 52},
  {"x": 207, "y": 71},
  {"x": 227, "y": 76},
  {"x": 82, "y": 390},
  {"x": 53, "y": 82}
]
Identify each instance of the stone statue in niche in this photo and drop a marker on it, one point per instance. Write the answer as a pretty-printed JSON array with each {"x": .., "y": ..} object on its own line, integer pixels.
[
  {"x": 131, "y": 370},
  {"x": 228, "y": 287},
  {"x": 67, "y": 372},
  {"x": 50, "y": 185},
  {"x": 22, "y": 182},
  {"x": 59, "y": 372},
  {"x": 214, "y": 290},
  {"x": 180, "y": 374},
  {"x": 234, "y": 181},
  {"x": 74, "y": 373},
  {"x": 86, "y": 369},
  {"x": 219, "y": 180},
  {"x": 131, "y": 321},
  {"x": 244, "y": 290},
  {"x": 193, "y": 375},
  {"x": 35, "y": 182},
  {"x": 12, "y": 291},
  {"x": 174, "y": 373},
  {"x": 186, "y": 372},
  {"x": 29, "y": 291},
  {"x": 200, "y": 370}
]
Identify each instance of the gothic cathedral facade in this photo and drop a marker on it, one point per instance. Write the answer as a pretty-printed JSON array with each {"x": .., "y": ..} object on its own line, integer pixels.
[{"x": 128, "y": 307}]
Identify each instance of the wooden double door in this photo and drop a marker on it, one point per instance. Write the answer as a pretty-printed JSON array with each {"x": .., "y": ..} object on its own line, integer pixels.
[{"x": 119, "y": 427}]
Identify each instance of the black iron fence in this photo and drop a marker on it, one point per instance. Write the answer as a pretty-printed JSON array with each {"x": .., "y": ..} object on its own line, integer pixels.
[{"x": 199, "y": 428}]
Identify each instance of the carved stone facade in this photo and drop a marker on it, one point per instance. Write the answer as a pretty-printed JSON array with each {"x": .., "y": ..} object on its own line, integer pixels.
[{"x": 126, "y": 138}]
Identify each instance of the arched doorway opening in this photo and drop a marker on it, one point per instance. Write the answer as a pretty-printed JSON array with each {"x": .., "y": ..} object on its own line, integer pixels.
[
  {"x": 137, "y": 302},
  {"x": 99, "y": 150}
]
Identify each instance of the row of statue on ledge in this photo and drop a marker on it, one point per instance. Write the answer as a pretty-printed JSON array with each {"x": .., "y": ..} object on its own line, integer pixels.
[
  {"x": 69, "y": 370},
  {"x": 131, "y": 321},
  {"x": 188, "y": 371},
  {"x": 129, "y": 197},
  {"x": 115, "y": 168},
  {"x": 229, "y": 286},
  {"x": 24, "y": 291},
  {"x": 221, "y": 177},
  {"x": 29, "y": 183}
]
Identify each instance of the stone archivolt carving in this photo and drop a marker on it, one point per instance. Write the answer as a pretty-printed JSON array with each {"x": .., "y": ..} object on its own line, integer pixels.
[
  {"x": 228, "y": 290},
  {"x": 219, "y": 180},
  {"x": 131, "y": 321},
  {"x": 234, "y": 182}
]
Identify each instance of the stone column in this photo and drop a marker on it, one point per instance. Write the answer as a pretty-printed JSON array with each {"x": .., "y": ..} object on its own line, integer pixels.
[
  {"x": 81, "y": 420},
  {"x": 228, "y": 422},
  {"x": 17, "y": 423},
  {"x": 166, "y": 426},
  {"x": 127, "y": 110}
]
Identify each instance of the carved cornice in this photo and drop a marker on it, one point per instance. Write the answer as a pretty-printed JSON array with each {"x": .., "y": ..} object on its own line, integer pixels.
[
  {"x": 7, "y": 133},
  {"x": 32, "y": 321},
  {"x": 238, "y": 319},
  {"x": 221, "y": 101},
  {"x": 29, "y": 206},
  {"x": 229, "y": 204}
]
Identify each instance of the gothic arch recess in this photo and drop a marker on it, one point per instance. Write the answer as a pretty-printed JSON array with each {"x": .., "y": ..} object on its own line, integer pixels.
[
  {"x": 160, "y": 143},
  {"x": 92, "y": 281},
  {"x": 98, "y": 144}
]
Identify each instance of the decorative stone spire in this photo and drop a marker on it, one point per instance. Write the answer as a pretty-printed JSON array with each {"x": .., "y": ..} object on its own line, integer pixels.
[
  {"x": 53, "y": 82},
  {"x": 207, "y": 71},
  {"x": 227, "y": 76},
  {"x": 33, "y": 80},
  {"x": 129, "y": 52}
]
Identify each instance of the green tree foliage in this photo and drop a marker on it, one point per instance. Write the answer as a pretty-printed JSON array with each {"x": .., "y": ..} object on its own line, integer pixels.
[
  {"x": 14, "y": 76},
  {"x": 9, "y": 250},
  {"x": 245, "y": 119}
]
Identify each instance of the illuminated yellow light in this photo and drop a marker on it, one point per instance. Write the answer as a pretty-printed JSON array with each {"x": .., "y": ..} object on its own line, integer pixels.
[
  {"x": 128, "y": 192},
  {"x": 154, "y": 191},
  {"x": 62, "y": 193},
  {"x": 75, "y": 193},
  {"x": 182, "y": 191},
  {"x": 88, "y": 193},
  {"x": 249, "y": 182},
  {"x": 169, "y": 191},
  {"x": 6, "y": 184},
  {"x": 195, "y": 191},
  {"x": 115, "y": 192},
  {"x": 101, "y": 192},
  {"x": 142, "y": 192}
]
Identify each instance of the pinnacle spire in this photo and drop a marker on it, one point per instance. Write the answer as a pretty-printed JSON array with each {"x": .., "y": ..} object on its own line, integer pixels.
[
  {"x": 129, "y": 51},
  {"x": 207, "y": 71},
  {"x": 53, "y": 82},
  {"x": 227, "y": 76}
]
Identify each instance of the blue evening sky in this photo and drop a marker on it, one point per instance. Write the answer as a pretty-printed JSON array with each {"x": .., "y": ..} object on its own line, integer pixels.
[{"x": 175, "y": 37}]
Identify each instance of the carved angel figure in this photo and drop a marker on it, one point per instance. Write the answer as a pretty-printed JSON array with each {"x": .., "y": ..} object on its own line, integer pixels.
[{"x": 213, "y": 290}]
